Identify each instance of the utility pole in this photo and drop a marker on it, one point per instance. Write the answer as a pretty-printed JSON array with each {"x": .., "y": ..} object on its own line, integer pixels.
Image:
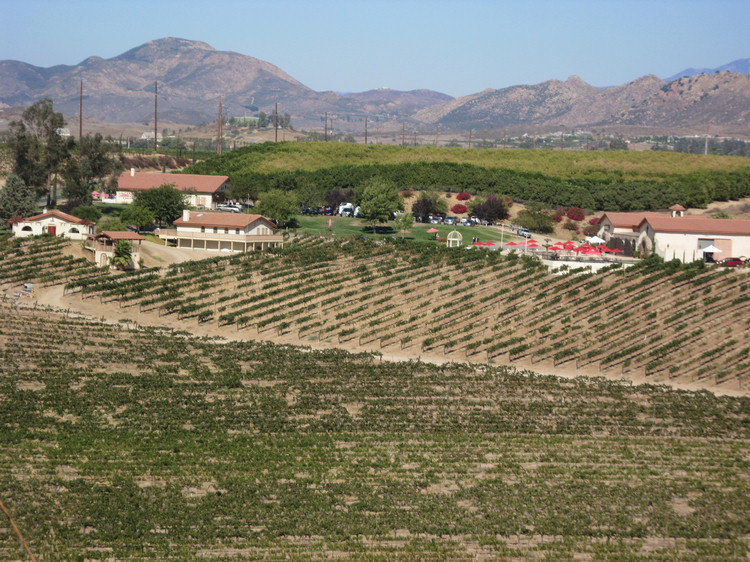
[
  {"x": 469, "y": 138},
  {"x": 365, "y": 130},
  {"x": 218, "y": 131},
  {"x": 276, "y": 122},
  {"x": 403, "y": 133},
  {"x": 325, "y": 129},
  {"x": 705, "y": 150},
  {"x": 155, "y": 126},
  {"x": 80, "y": 114}
]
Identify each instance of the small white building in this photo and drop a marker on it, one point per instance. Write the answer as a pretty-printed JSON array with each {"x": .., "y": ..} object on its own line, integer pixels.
[
  {"x": 227, "y": 232},
  {"x": 204, "y": 192},
  {"x": 103, "y": 245},
  {"x": 54, "y": 223}
]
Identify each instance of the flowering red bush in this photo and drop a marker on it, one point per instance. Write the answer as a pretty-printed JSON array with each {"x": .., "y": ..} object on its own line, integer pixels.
[
  {"x": 463, "y": 196},
  {"x": 575, "y": 214},
  {"x": 508, "y": 202},
  {"x": 407, "y": 193},
  {"x": 595, "y": 220},
  {"x": 573, "y": 227},
  {"x": 458, "y": 209},
  {"x": 591, "y": 230}
]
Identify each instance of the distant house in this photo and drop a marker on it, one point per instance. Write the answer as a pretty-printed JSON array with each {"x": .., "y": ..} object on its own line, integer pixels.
[
  {"x": 675, "y": 235},
  {"x": 54, "y": 223},
  {"x": 204, "y": 192},
  {"x": 103, "y": 246},
  {"x": 227, "y": 232}
]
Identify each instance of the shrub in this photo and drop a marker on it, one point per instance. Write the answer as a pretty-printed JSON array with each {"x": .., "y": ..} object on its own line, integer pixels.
[
  {"x": 569, "y": 225},
  {"x": 590, "y": 230},
  {"x": 575, "y": 213},
  {"x": 463, "y": 196},
  {"x": 458, "y": 209}
]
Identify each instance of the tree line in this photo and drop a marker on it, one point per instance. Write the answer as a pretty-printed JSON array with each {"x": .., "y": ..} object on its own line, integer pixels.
[{"x": 608, "y": 190}]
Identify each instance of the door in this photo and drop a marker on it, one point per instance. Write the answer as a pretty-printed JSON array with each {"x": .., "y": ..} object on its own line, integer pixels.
[{"x": 52, "y": 230}]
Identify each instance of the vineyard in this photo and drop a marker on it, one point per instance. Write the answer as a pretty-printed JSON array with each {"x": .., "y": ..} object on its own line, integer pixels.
[
  {"x": 144, "y": 435},
  {"x": 143, "y": 444},
  {"x": 665, "y": 322}
]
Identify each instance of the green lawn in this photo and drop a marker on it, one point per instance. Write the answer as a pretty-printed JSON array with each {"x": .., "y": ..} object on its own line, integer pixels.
[{"x": 344, "y": 226}]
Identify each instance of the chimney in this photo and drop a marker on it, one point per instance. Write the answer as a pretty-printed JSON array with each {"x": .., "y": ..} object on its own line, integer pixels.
[
  {"x": 132, "y": 172},
  {"x": 186, "y": 215}
]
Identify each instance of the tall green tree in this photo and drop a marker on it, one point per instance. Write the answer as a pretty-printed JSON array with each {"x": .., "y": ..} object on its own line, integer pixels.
[
  {"x": 378, "y": 200},
  {"x": 137, "y": 215},
  {"x": 91, "y": 167},
  {"x": 36, "y": 145},
  {"x": 279, "y": 206},
  {"x": 16, "y": 199},
  {"x": 165, "y": 202}
]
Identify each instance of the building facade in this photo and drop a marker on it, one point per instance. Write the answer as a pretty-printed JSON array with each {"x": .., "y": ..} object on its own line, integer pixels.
[
  {"x": 222, "y": 232},
  {"x": 203, "y": 192},
  {"x": 54, "y": 223}
]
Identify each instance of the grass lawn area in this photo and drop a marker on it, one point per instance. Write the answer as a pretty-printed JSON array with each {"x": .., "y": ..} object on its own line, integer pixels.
[{"x": 345, "y": 226}]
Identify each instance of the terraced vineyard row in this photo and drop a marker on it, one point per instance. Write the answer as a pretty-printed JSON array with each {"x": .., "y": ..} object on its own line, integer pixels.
[
  {"x": 141, "y": 445},
  {"x": 664, "y": 321}
]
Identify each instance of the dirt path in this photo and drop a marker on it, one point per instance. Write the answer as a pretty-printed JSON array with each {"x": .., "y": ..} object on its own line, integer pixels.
[
  {"x": 158, "y": 255},
  {"x": 112, "y": 313}
]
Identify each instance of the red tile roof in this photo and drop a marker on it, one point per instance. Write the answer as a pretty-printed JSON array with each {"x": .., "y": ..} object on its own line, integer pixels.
[
  {"x": 697, "y": 225},
  {"x": 119, "y": 235},
  {"x": 184, "y": 182},
  {"x": 59, "y": 214},
  {"x": 221, "y": 220},
  {"x": 628, "y": 220}
]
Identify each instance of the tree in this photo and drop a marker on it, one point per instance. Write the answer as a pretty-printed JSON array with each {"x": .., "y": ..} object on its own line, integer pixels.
[
  {"x": 262, "y": 120},
  {"x": 403, "y": 223},
  {"x": 16, "y": 199},
  {"x": 137, "y": 215},
  {"x": 165, "y": 202},
  {"x": 536, "y": 219},
  {"x": 89, "y": 168},
  {"x": 491, "y": 210},
  {"x": 123, "y": 255},
  {"x": 37, "y": 148},
  {"x": 112, "y": 224},
  {"x": 88, "y": 212},
  {"x": 244, "y": 187},
  {"x": 378, "y": 201},
  {"x": 429, "y": 203},
  {"x": 279, "y": 206}
]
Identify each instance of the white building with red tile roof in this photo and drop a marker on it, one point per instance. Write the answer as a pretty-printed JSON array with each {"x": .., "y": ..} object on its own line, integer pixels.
[
  {"x": 203, "y": 191},
  {"x": 226, "y": 232},
  {"x": 54, "y": 223},
  {"x": 684, "y": 236}
]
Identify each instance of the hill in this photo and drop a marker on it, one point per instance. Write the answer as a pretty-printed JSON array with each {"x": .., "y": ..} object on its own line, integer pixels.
[{"x": 192, "y": 75}]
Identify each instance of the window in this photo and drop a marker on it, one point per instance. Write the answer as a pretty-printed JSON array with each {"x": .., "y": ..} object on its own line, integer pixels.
[
  {"x": 216, "y": 230},
  {"x": 226, "y": 231},
  {"x": 203, "y": 229}
]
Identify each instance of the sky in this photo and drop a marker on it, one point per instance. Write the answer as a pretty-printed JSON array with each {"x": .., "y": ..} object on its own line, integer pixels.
[{"x": 457, "y": 47}]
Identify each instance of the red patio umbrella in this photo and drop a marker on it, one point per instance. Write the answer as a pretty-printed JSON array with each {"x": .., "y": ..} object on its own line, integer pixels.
[
  {"x": 617, "y": 251},
  {"x": 478, "y": 243},
  {"x": 432, "y": 231}
]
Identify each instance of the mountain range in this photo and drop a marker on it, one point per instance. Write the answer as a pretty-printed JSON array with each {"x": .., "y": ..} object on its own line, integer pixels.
[{"x": 191, "y": 77}]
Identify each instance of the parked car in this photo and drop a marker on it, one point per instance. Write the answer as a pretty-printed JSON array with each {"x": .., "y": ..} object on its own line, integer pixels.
[
  {"x": 229, "y": 208},
  {"x": 731, "y": 262},
  {"x": 436, "y": 220},
  {"x": 523, "y": 232},
  {"x": 466, "y": 222},
  {"x": 450, "y": 220}
]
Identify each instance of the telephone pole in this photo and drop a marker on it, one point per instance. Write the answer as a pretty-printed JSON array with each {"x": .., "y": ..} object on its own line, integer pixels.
[
  {"x": 325, "y": 129},
  {"x": 276, "y": 122},
  {"x": 365, "y": 130},
  {"x": 403, "y": 133},
  {"x": 155, "y": 126},
  {"x": 80, "y": 114},
  {"x": 218, "y": 131}
]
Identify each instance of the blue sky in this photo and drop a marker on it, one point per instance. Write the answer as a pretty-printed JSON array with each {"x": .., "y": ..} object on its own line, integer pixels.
[{"x": 457, "y": 47}]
